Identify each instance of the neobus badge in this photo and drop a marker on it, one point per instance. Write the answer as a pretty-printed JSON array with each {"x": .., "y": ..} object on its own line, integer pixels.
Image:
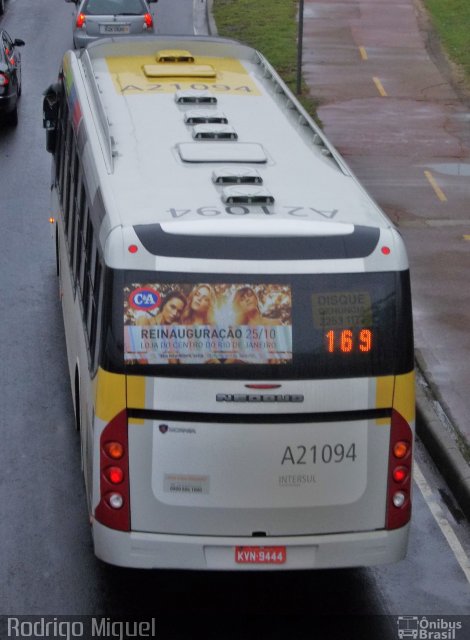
[{"x": 244, "y": 397}]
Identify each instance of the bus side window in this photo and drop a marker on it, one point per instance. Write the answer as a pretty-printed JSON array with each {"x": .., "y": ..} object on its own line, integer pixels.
[
  {"x": 84, "y": 235},
  {"x": 61, "y": 148},
  {"x": 90, "y": 251},
  {"x": 72, "y": 214},
  {"x": 59, "y": 144},
  {"x": 66, "y": 178},
  {"x": 79, "y": 213},
  {"x": 95, "y": 292}
]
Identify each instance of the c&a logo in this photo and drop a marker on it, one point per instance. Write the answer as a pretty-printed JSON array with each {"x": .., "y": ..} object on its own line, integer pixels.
[
  {"x": 425, "y": 628},
  {"x": 144, "y": 299}
]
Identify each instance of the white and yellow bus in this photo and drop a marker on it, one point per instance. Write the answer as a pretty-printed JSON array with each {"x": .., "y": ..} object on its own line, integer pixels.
[{"x": 237, "y": 314}]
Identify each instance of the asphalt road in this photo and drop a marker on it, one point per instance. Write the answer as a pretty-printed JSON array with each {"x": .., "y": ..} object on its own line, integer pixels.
[{"x": 47, "y": 567}]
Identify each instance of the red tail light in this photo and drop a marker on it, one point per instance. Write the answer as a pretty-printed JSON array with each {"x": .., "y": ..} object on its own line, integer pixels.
[
  {"x": 81, "y": 19},
  {"x": 399, "y": 473},
  {"x": 4, "y": 80},
  {"x": 113, "y": 509},
  {"x": 148, "y": 20}
]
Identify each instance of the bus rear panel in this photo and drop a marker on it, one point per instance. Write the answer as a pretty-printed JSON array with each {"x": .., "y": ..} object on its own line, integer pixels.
[{"x": 260, "y": 445}]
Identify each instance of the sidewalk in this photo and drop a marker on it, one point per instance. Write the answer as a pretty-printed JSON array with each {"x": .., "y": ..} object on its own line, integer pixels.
[{"x": 394, "y": 116}]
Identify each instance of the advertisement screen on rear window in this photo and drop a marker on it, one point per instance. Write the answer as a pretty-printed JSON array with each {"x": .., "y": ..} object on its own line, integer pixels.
[{"x": 179, "y": 323}]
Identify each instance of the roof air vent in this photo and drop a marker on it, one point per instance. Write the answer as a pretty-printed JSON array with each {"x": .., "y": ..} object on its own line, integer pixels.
[
  {"x": 174, "y": 55},
  {"x": 241, "y": 175},
  {"x": 247, "y": 195},
  {"x": 205, "y": 117},
  {"x": 195, "y": 97},
  {"x": 214, "y": 132}
]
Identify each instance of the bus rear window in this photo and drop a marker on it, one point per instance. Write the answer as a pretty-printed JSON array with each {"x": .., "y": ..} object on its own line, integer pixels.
[{"x": 262, "y": 327}]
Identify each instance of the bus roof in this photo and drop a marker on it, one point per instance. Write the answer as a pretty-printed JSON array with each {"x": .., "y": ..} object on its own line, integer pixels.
[{"x": 198, "y": 129}]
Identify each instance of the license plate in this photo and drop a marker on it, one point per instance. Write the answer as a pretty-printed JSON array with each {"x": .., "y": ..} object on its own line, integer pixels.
[
  {"x": 260, "y": 555},
  {"x": 114, "y": 28}
]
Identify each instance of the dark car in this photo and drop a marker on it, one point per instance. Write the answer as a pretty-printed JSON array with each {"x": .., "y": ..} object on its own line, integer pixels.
[{"x": 10, "y": 77}]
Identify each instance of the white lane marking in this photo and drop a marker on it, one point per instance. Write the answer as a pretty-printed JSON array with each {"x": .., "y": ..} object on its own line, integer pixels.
[
  {"x": 442, "y": 521},
  {"x": 199, "y": 17}
]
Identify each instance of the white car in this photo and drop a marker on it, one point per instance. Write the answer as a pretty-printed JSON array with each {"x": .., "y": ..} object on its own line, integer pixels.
[{"x": 96, "y": 19}]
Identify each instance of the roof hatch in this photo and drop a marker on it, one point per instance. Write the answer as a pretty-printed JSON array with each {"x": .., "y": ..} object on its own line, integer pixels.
[{"x": 221, "y": 151}]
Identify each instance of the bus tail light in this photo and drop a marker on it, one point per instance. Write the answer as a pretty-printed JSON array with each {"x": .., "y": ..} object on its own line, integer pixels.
[
  {"x": 113, "y": 510},
  {"x": 399, "y": 473},
  {"x": 148, "y": 21}
]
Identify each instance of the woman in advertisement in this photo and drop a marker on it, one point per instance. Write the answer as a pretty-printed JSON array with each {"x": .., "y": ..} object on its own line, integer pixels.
[
  {"x": 169, "y": 313},
  {"x": 200, "y": 306},
  {"x": 247, "y": 311}
]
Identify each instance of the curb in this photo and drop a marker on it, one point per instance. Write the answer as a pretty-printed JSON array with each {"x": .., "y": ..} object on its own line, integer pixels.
[
  {"x": 211, "y": 26},
  {"x": 439, "y": 436}
]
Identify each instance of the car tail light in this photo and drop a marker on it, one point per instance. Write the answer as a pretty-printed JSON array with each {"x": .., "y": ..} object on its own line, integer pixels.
[
  {"x": 399, "y": 473},
  {"x": 148, "y": 20},
  {"x": 4, "y": 80},
  {"x": 113, "y": 510},
  {"x": 81, "y": 19}
]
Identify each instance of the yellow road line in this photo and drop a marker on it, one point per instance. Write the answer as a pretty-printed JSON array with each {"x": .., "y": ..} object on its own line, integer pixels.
[
  {"x": 437, "y": 190},
  {"x": 363, "y": 52},
  {"x": 466, "y": 237},
  {"x": 380, "y": 87}
]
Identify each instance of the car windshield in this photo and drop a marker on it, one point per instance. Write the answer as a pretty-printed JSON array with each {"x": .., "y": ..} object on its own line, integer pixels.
[{"x": 114, "y": 7}]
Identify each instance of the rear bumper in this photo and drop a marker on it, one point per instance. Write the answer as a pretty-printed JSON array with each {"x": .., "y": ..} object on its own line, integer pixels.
[
  {"x": 81, "y": 39},
  {"x": 7, "y": 103},
  {"x": 157, "y": 551}
]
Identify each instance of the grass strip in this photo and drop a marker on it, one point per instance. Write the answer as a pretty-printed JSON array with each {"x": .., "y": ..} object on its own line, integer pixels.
[
  {"x": 271, "y": 27},
  {"x": 451, "y": 19}
]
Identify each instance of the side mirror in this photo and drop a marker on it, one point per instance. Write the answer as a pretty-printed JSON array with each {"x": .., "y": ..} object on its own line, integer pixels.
[
  {"x": 50, "y": 113},
  {"x": 18, "y": 42}
]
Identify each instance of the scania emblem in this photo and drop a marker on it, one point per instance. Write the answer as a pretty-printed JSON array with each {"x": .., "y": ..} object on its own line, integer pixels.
[{"x": 163, "y": 428}]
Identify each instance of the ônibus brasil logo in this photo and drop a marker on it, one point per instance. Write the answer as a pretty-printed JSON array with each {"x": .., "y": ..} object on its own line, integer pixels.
[
  {"x": 427, "y": 628},
  {"x": 144, "y": 299}
]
